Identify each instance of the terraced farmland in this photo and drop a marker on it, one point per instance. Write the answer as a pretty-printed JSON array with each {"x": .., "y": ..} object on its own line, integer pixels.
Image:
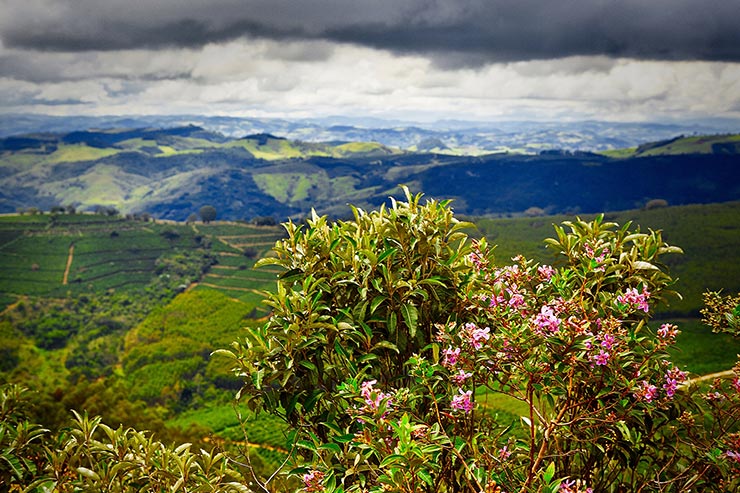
[
  {"x": 61, "y": 255},
  {"x": 236, "y": 248}
]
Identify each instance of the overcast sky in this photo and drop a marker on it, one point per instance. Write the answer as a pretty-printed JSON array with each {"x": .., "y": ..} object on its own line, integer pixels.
[{"x": 629, "y": 60}]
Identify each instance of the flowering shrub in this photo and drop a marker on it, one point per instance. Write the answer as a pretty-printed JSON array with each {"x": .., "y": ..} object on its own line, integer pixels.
[{"x": 394, "y": 340}]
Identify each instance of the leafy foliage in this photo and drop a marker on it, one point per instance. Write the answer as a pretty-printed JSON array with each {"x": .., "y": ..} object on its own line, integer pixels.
[
  {"x": 386, "y": 329},
  {"x": 358, "y": 296},
  {"x": 91, "y": 456}
]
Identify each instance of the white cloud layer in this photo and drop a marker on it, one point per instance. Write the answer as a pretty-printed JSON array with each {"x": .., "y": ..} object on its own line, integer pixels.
[{"x": 303, "y": 59}]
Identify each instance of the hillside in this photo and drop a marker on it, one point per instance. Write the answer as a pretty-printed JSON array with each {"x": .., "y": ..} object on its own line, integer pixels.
[
  {"x": 171, "y": 173},
  {"x": 119, "y": 317},
  {"x": 703, "y": 144}
]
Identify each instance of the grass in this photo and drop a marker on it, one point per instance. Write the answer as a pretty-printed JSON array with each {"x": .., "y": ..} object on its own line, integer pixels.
[
  {"x": 700, "y": 351},
  {"x": 79, "y": 152}
]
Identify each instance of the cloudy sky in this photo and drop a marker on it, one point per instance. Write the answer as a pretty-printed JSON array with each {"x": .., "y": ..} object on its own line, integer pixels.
[{"x": 629, "y": 60}]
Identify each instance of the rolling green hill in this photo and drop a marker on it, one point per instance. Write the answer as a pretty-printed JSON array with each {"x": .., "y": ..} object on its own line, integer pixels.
[
  {"x": 700, "y": 144},
  {"x": 171, "y": 173}
]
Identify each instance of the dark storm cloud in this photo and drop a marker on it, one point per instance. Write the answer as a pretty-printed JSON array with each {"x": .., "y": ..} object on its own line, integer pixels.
[{"x": 463, "y": 32}]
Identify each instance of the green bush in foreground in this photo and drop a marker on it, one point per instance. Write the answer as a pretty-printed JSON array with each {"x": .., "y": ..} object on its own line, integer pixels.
[
  {"x": 90, "y": 456},
  {"x": 386, "y": 328}
]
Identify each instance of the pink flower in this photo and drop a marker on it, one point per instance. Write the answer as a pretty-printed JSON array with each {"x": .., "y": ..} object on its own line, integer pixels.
[
  {"x": 673, "y": 377},
  {"x": 601, "y": 359},
  {"x": 497, "y": 300},
  {"x": 516, "y": 299},
  {"x": 633, "y": 298},
  {"x": 736, "y": 384},
  {"x": 546, "y": 323},
  {"x": 478, "y": 261},
  {"x": 608, "y": 341},
  {"x": 504, "y": 453},
  {"x": 646, "y": 392},
  {"x": 571, "y": 486},
  {"x": 461, "y": 376},
  {"x": 668, "y": 332},
  {"x": 670, "y": 386},
  {"x": 462, "y": 402},
  {"x": 479, "y": 335},
  {"x": 312, "y": 481},
  {"x": 450, "y": 357},
  {"x": 545, "y": 272},
  {"x": 373, "y": 397}
]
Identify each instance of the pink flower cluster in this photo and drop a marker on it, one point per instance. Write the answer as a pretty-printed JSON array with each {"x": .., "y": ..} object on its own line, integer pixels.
[
  {"x": 545, "y": 272},
  {"x": 546, "y": 322},
  {"x": 473, "y": 339},
  {"x": 475, "y": 336},
  {"x": 373, "y": 397},
  {"x": 602, "y": 252},
  {"x": 462, "y": 401},
  {"x": 601, "y": 359},
  {"x": 673, "y": 378},
  {"x": 461, "y": 377},
  {"x": 646, "y": 392},
  {"x": 574, "y": 486},
  {"x": 733, "y": 453},
  {"x": 668, "y": 332},
  {"x": 635, "y": 299},
  {"x": 312, "y": 481}
]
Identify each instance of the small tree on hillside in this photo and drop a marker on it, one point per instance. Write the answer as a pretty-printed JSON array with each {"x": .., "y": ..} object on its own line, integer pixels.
[{"x": 207, "y": 213}]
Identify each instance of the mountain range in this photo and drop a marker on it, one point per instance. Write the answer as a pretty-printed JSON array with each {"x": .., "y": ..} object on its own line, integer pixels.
[
  {"x": 467, "y": 137},
  {"x": 171, "y": 172}
]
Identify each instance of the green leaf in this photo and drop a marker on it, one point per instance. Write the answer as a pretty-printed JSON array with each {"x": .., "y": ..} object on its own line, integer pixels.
[
  {"x": 306, "y": 444},
  {"x": 332, "y": 447},
  {"x": 549, "y": 473},
  {"x": 345, "y": 438},
  {"x": 291, "y": 274},
  {"x": 88, "y": 473},
  {"x": 410, "y": 317},
  {"x": 385, "y": 345},
  {"x": 424, "y": 475},
  {"x": 393, "y": 459},
  {"x": 641, "y": 265},
  {"x": 257, "y": 379},
  {"x": 376, "y": 302}
]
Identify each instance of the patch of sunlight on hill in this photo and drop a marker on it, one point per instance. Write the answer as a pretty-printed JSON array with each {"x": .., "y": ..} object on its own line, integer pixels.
[
  {"x": 619, "y": 153},
  {"x": 101, "y": 185},
  {"x": 169, "y": 151},
  {"x": 359, "y": 148},
  {"x": 170, "y": 187},
  {"x": 272, "y": 150},
  {"x": 699, "y": 144},
  {"x": 137, "y": 143},
  {"x": 290, "y": 187},
  {"x": 19, "y": 160},
  {"x": 79, "y": 152}
]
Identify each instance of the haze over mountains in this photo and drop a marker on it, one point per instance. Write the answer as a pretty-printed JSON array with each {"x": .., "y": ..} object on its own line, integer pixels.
[
  {"x": 467, "y": 136},
  {"x": 171, "y": 172}
]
